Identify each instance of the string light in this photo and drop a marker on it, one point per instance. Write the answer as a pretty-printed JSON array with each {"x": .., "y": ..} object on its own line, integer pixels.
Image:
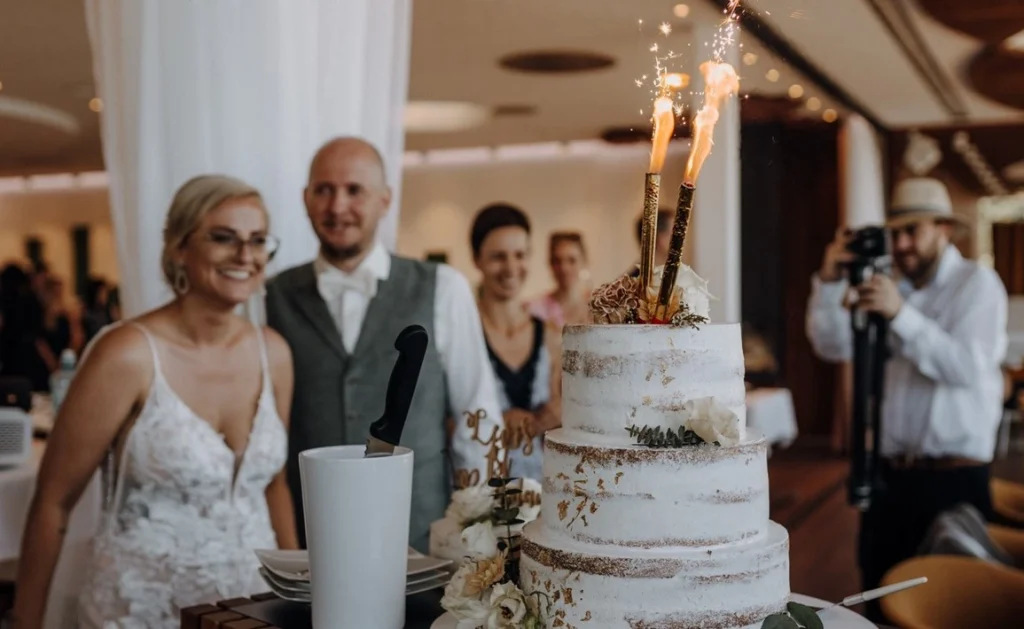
[
  {"x": 681, "y": 10},
  {"x": 829, "y": 115},
  {"x": 796, "y": 90},
  {"x": 96, "y": 104},
  {"x": 749, "y": 59},
  {"x": 772, "y": 75},
  {"x": 813, "y": 103}
]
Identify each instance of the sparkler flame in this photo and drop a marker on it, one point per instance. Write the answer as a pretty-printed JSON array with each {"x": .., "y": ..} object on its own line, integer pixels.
[
  {"x": 720, "y": 82},
  {"x": 664, "y": 125}
]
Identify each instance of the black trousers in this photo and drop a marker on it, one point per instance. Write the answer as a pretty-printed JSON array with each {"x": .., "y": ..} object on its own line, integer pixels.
[{"x": 895, "y": 524}]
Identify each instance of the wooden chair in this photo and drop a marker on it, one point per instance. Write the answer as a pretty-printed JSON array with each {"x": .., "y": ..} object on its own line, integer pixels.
[
  {"x": 1009, "y": 539},
  {"x": 961, "y": 592},
  {"x": 1008, "y": 500}
]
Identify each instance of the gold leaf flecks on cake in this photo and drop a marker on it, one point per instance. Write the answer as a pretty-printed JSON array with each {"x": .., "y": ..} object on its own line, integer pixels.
[
  {"x": 567, "y": 596},
  {"x": 593, "y": 508},
  {"x": 650, "y": 374},
  {"x": 647, "y": 401},
  {"x": 666, "y": 380},
  {"x": 618, "y": 476},
  {"x": 563, "y": 509},
  {"x": 600, "y": 484},
  {"x": 586, "y": 617},
  {"x": 562, "y": 475}
]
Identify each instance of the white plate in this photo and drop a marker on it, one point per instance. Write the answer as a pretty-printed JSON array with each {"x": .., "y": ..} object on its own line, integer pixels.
[
  {"x": 838, "y": 618},
  {"x": 293, "y": 565},
  {"x": 431, "y": 582}
]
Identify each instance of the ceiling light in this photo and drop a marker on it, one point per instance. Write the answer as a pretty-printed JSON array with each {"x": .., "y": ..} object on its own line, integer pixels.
[
  {"x": 1015, "y": 42},
  {"x": 796, "y": 90},
  {"x": 96, "y": 104},
  {"x": 772, "y": 75},
  {"x": 1015, "y": 172},
  {"x": 829, "y": 115},
  {"x": 749, "y": 58},
  {"x": 681, "y": 10},
  {"x": 442, "y": 116},
  {"x": 813, "y": 103}
]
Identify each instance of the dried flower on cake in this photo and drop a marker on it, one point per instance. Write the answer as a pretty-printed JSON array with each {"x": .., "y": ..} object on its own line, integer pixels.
[
  {"x": 616, "y": 302},
  {"x": 487, "y": 573}
]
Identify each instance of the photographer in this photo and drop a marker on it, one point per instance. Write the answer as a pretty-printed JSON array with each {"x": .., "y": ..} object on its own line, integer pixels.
[{"x": 942, "y": 385}]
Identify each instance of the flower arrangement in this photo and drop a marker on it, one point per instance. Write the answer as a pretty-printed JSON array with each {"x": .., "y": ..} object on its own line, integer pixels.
[
  {"x": 624, "y": 300},
  {"x": 704, "y": 420},
  {"x": 484, "y": 592},
  {"x": 472, "y": 510}
]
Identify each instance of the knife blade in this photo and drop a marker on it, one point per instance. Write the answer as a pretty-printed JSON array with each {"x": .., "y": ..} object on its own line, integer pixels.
[
  {"x": 870, "y": 595},
  {"x": 386, "y": 432}
]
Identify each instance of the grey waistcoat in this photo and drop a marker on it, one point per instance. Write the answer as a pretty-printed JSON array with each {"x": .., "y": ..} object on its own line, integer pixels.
[{"x": 338, "y": 395}]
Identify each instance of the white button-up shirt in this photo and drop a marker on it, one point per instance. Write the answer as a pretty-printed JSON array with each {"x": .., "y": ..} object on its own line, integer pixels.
[
  {"x": 458, "y": 337},
  {"x": 943, "y": 388}
]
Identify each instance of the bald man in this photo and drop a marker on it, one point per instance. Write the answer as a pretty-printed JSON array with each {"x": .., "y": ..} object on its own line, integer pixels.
[{"x": 341, "y": 314}]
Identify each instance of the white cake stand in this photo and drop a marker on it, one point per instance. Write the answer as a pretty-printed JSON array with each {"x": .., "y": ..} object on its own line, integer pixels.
[{"x": 836, "y": 618}]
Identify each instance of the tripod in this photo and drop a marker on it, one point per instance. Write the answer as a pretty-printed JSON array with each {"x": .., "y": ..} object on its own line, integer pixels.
[{"x": 870, "y": 351}]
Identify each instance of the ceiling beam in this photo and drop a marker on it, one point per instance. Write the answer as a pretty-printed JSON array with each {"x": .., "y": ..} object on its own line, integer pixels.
[{"x": 780, "y": 46}]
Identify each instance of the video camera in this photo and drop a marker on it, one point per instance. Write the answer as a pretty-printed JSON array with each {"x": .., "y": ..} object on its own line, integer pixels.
[{"x": 870, "y": 246}]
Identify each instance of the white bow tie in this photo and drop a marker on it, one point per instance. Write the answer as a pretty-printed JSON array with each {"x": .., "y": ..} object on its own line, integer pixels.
[{"x": 333, "y": 284}]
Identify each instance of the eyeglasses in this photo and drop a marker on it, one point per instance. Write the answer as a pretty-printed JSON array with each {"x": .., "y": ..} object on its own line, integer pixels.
[{"x": 263, "y": 246}]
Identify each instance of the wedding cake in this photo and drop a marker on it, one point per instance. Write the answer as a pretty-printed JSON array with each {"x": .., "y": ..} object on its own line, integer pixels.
[{"x": 655, "y": 499}]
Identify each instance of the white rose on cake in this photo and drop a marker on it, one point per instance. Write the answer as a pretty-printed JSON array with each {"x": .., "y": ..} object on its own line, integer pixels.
[
  {"x": 712, "y": 421},
  {"x": 468, "y": 609},
  {"x": 471, "y": 504},
  {"x": 695, "y": 294},
  {"x": 508, "y": 607}
]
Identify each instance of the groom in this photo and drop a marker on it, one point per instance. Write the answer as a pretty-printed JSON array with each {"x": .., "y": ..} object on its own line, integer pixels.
[{"x": 341, "y": 314}]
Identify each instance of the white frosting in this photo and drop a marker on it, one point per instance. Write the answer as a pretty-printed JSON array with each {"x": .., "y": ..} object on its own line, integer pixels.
[
  {"x": 724, "y": 588},
  {"x": 614, "y": 376},
  {"x": 697, "y": 496}
]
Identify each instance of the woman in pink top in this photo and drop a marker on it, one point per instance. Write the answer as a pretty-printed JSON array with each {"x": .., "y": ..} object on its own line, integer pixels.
[{"x": 568, "y": 304}]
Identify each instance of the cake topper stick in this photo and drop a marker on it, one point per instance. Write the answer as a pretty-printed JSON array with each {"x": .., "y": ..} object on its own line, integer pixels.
[
  {"x": 664, "y": 125},
  {"x": 720, "y": 82}
]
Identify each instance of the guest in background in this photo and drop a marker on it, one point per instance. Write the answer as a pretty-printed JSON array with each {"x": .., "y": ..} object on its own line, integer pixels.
[
  {"x": 186, "y": 408},
  {"x": 524, "y": 351},
  {"x": 569, "y": 303},
  {"x": 60, "y": 328},
  {"x": 20, "y": 319},
  {"x": 96, "y": 312},
  {"x": 661, "y": 241},
  {"x": 341, "y": 314}
]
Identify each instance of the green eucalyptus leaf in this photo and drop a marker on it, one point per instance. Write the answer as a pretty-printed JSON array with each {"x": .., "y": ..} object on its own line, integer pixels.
[
  {"x": 779, "y": 621},
  {"x": 807, "y": 617}
]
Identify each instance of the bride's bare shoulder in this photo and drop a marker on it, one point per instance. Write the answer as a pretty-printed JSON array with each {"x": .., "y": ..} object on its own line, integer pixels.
[{"x": 123, "y": 345}]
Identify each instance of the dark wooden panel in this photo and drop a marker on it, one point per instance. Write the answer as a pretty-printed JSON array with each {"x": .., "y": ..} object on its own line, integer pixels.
[{"x": 1008, "y": 253}]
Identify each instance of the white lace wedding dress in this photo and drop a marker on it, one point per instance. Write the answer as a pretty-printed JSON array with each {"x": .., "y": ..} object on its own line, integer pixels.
[{"x": 182, "y": 516}]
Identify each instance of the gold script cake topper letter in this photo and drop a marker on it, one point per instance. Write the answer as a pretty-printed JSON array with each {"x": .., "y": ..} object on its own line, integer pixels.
[{"x": 517, "y": 435}]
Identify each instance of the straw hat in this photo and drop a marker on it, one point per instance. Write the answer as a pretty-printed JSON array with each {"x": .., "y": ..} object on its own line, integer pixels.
[{"x": 922, "y": 198}]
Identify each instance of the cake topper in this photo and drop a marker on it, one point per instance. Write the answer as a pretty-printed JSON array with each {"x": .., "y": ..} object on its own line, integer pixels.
[{"x": 516, "y": 435}]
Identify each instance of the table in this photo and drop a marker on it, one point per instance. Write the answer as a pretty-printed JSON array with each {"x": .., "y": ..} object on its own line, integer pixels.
[
  {"x": 266, "y": 611},
  {"x": 771, "y": 413},
  {"x": 17, "y": 486}
]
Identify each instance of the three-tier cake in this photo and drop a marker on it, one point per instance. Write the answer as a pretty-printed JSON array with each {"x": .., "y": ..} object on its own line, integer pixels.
[{"x": 632, "y": 536}]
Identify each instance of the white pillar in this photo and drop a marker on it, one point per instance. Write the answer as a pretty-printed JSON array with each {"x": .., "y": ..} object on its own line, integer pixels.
[
  {"x": 861, "y": 174},
  {"x": 248, "y": 88},
  {"x": 715, "y": 234}
]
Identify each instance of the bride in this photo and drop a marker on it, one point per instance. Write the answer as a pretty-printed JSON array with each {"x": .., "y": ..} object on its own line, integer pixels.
[{"x": 185, "y": 408}]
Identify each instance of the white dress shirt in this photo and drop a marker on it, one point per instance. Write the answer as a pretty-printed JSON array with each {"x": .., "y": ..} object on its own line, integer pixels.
[
  {"x": 943, "y": 391},
  {"x": 458, "y": 337}
]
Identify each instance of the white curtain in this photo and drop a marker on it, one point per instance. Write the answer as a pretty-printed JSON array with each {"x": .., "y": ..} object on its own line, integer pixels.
[{"x": 248, "y": 88}]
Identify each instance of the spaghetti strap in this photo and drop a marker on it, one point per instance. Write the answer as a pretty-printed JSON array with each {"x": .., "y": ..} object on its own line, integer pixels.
[
  {"x": 264, "y": 361},
  {"x": 152, "y": 344}
]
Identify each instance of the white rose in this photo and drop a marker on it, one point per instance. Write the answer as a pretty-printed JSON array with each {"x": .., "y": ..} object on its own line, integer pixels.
[
  {"x": 711, "y": 421},
  {"x": 696, "y": 295},
  {"x": 470, "y": 504},
  {"x": 480, "y": 541},
  {"x": 508, "y": 607},
  {"x": 464, "y": 608}
]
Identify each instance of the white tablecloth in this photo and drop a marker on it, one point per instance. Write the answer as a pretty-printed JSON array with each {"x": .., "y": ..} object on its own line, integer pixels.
[
  {"x": 771, "y": 413},
  {"x": 16, "y": 489}
]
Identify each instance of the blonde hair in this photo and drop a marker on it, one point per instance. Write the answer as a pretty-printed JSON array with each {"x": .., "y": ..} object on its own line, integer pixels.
[{"x": 196, "y": 198}]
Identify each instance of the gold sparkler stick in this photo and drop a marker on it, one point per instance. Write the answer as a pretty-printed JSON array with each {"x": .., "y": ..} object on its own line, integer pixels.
[
  {"x": 675, "y": 249},
  {"x": 664, "y": 125}
]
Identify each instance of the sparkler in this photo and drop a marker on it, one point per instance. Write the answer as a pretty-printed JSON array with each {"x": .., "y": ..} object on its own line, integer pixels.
[{"x": 664, "y": 125}]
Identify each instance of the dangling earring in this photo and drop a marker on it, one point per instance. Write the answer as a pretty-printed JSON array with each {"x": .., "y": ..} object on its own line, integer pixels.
[{"x": 181, "y": 284}]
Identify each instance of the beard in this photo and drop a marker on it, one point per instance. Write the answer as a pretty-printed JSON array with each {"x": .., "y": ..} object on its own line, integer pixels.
[
  {"x": 923, "y": 269},
  {"x": 340, "y": 254}
]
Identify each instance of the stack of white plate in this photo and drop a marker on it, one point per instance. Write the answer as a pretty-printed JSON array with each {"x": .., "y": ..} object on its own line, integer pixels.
[{"x": 287, "y": 573}]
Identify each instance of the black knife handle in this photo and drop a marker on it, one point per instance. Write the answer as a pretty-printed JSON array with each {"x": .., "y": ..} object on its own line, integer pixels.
[{"x": 412, "y": 347}]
